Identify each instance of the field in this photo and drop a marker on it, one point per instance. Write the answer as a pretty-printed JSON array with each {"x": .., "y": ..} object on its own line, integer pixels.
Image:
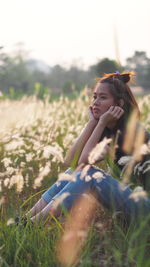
[{"x": 34, "y": 138}]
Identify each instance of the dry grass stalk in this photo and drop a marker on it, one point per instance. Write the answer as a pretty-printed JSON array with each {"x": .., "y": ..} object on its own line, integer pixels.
[
  {"x": 76, "y": 229},
  {"x": 139, "y": 140},
  {"x": 127, "y": 174},
  {"x": 99, "y": 151},
  {"x": 133, "y": 141},
  {"x": 114, "y": 146},
  {"x": 130, "y": 134}
]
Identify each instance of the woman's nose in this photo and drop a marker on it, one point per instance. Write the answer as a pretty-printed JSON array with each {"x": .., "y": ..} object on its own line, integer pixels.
[{"x": 96, "y": 101}]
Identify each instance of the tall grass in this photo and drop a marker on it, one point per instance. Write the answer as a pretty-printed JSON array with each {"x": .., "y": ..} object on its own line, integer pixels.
[{"x": 34, "y": 137}]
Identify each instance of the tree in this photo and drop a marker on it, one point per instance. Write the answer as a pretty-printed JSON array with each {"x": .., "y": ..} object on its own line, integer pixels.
[
  {"x": 140, "y": 63},
  {"x": 106, "y": 65},
  {"x": 14, "y": 74}
]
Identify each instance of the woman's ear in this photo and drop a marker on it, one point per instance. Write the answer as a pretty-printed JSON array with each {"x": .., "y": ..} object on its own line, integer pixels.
[{"x": 121, "y": 102}]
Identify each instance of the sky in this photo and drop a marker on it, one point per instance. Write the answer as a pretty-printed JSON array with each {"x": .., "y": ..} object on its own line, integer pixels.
[{"x": 76, "y": 32}]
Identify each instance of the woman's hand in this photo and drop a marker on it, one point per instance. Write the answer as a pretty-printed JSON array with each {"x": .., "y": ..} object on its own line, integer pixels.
[
  {"x": 111, "y": 116},
  {"x": 91, "y": 115}
]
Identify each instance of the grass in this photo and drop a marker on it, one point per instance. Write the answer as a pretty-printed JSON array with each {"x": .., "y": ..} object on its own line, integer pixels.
[{"x": 35, "y": 136}]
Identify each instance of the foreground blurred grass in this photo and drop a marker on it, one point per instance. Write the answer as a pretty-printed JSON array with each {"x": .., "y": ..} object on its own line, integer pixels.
[{"x": 35, "y": 136}]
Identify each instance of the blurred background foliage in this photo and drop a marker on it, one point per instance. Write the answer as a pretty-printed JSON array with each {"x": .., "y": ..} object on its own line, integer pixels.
[{"x": 21, "y": 75}]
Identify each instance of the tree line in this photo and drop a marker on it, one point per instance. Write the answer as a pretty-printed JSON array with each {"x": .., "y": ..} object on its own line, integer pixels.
[{"x": 20, "y": 76}]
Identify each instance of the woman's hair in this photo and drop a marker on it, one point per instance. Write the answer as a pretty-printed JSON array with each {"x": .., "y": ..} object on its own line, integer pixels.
[{"x": 120, "y": 90}]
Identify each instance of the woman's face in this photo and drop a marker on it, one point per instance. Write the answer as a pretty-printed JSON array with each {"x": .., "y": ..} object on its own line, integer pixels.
[{"x": 102, "y": 99}]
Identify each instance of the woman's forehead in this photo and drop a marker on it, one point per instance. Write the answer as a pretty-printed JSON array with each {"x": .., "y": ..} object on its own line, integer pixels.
[{"x": 102, "y": 88}]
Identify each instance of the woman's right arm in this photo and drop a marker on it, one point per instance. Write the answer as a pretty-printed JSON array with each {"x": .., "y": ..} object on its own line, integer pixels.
[{"x": 74, "y": 152}]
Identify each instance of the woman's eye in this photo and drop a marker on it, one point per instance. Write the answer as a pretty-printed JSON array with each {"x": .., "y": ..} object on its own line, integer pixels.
[
  {"x": 94, "y": 96},
  {"x": 103, "y": 97}
]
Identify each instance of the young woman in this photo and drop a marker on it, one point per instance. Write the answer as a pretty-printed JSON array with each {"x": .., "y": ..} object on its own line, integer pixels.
[{"x": 112, "y": 104}]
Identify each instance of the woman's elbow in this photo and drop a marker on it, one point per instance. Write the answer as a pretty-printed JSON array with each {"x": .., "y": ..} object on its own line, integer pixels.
[
  {"x": 67, "y": 162},
  {"x": 83, "y": 160}
]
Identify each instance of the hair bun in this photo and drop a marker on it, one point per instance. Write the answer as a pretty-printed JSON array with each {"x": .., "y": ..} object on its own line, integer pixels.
[{"x": 125, "y": 77}]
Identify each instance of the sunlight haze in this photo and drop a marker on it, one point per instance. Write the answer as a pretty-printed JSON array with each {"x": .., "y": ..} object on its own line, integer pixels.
[{"x": 76, "y": 32}]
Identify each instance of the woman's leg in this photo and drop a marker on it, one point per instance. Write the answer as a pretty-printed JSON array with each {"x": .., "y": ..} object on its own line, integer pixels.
[
  {"x": 37, "y": 207},
  {"x": 114, "y": 195},
  {"x": 65, "y": 198},
  {"x": 48, "y": 195},
  {"x": 118, "y": 197}
]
